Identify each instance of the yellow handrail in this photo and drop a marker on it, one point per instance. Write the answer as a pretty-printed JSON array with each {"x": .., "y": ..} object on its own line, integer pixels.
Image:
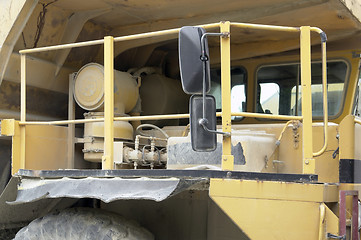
[
  {"x": 226, "y": 102},
  {"x": 158, "y": 117},
  {"x": 108, "y": 157},
  {"x": 357, "y": 120},
  {"x": 116, "y": 39},
  {"x": 325, "y": 103}
]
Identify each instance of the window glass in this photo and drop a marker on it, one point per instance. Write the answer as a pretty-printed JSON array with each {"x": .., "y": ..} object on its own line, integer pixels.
[
  {"x": 285, "y": 99},
  {"x": 238, "y": 89},
  {"x": 357, "y": 101},
  {"x": 270, "y": 97}
]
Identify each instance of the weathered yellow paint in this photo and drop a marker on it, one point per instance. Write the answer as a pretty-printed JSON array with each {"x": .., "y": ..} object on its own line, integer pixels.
[
  {"x": 46, "y": 147},
  {"x": 8, "y": 127},
  {"x": 227, "y": 158},
  {"x": 326, "y": 165},
  {"x": 262, "y": 209},
  {"x": 290, "y": 191},
  {"x": 325, "y": 101},
  {"x": 108, "y": 161},
  {"x": 331, "y": 223},
  {"x": 227, "y": 162},
  {"x": 277, "y": 210},
  {"x": 305, "y": 42},
  {"x": 347, "y": 136}
]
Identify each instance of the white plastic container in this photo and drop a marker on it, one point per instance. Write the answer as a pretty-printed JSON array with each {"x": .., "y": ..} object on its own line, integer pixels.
[{"x": 250, "y": 149}]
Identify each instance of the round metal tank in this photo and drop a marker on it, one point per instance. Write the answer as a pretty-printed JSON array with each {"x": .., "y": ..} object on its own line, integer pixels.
[
  {"x": 94, "y": 135},
  {"x": 162, "y": 95},
  {"x": 89, "y": 89}
]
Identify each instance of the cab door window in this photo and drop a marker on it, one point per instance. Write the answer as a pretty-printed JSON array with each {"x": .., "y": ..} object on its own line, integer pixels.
[
  {"x": 238, "y": 89},
  {"x": 285, "y": 99}
]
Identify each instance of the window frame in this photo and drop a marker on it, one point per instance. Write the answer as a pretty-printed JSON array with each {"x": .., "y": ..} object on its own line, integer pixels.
[{"x": 345, "y": 90}]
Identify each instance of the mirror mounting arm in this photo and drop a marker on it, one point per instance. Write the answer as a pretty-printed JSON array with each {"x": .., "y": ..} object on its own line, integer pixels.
[
  {"x": 203, "y": 122},
  {"x": 204, "y": 58}
]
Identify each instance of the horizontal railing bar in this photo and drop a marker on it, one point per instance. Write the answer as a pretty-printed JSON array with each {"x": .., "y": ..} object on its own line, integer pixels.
[
  {"x": 357, "y": 120},
  {"x": 63, "y": 46},
  {"x": 158, "y": 117},
  {"x": 265, "y": 27},
  {"x": 160, "y": 33},
  {"x": 130, "y": 118},
  {"x": 267, "y": 116},
  {"x": 116, "y": 39}
]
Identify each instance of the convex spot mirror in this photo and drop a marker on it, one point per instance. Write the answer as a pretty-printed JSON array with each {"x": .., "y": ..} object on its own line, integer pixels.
[
  {"x": 190, "y": 62},
  {"x": 202, "y": 140}
]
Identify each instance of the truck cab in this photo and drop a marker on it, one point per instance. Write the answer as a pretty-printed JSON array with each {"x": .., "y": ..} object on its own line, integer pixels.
[{"x": 97, "y": 120}]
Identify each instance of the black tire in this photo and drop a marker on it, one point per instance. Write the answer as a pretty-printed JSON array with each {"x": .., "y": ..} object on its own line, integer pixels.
[
  {"x": 8, "y": 234},
  {"x": 83, "y": 223}
]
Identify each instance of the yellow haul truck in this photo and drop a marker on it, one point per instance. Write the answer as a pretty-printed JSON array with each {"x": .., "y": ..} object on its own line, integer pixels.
[{"x": 147, "y": 120}]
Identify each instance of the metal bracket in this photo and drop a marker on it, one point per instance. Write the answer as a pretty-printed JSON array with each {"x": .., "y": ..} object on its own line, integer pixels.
[
  {"x": 93, "y": 150},
  {"x": 342, "y": 214},
  {"x": 296, "y": 135},
  {"x": 332, "y": 236},
  {"x": 204, "y": 58},
  {"x": 226, "y": 34},
  {"x": 356, "y": 55},
  {"x": 203, "y": 122}
]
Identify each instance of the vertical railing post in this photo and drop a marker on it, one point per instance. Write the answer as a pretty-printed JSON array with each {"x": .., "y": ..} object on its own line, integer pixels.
[
  {"x": 227, "y": 158},
  {"x": 22, "y": 109},
  {"x": 305, "y": 42},
  {"x": 107, "y": 160},
  {"x": 71, "y": 127}
]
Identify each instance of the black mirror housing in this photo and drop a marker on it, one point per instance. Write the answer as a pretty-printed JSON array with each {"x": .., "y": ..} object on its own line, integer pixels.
[
  {"x": 202, "y": 140},
  {"x": 190, "y": 63}
]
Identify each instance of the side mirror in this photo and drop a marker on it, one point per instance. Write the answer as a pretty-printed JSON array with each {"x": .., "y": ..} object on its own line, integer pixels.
[
  {"x": 190, "y": 62},
  {"x": 203, "y": 140},
  {"x": 195, "y": 76}
]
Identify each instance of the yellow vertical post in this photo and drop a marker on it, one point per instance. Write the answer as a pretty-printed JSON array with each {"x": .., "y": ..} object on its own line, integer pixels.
[
  {"x": 71, "y": 127},
  {"x": 305, "y": 42},
  {"x": 347, "y": 138},
  {"x": 107, "y": 160},
  {"x": 22, "y": 109},
  {"x": 227, "y": 158}
]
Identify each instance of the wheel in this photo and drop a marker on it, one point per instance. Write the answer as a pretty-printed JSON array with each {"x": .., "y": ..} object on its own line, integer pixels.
[
  {"x": 83, "y": 223},
  {"x": 8, "y": 234}
]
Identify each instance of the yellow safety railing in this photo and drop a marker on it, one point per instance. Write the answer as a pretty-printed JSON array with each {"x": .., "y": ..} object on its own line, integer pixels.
[
  {"x": 226, "y": 114},
  {"x": 357, "y": 120}
]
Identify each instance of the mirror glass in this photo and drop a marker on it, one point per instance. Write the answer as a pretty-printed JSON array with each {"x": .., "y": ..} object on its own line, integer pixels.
[
  {"x": 190, "y": 63},
  {"x": 202, "y": 140}
]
